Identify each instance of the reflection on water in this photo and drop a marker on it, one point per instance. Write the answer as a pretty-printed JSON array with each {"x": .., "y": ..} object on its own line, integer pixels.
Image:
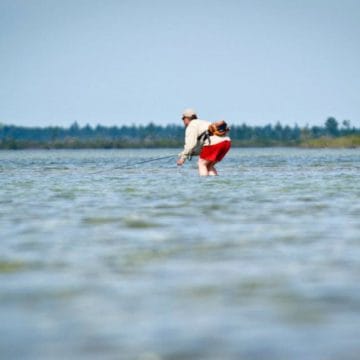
[{"x": 153, "y": 262}]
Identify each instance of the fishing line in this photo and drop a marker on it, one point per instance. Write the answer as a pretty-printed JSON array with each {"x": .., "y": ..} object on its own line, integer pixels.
[{"x": 129, "y": 166}]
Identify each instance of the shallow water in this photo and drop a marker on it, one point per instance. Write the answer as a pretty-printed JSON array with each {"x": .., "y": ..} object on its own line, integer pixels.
[{"x": 152, "y": 262}]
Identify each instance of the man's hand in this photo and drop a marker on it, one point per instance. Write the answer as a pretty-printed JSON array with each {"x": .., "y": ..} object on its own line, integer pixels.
[{"x": 180, "y": 161}]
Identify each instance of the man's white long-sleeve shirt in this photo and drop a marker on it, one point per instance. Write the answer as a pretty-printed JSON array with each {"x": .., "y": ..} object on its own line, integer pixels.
[{"x": 193, "y": 131}]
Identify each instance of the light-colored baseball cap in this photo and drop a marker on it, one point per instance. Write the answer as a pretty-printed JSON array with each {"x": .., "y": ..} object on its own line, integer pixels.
[{"x": 189, "y": 113}]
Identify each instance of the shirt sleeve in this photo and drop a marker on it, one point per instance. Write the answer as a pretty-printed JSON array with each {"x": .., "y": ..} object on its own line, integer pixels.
[{"x": 190, "y": 142}]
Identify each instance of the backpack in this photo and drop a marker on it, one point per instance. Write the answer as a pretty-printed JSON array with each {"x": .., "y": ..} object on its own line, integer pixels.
[{"x": 218, "y": 128}]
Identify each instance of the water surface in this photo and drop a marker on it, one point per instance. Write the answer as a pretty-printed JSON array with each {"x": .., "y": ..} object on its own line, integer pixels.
[{"x": 152, "y": 262}]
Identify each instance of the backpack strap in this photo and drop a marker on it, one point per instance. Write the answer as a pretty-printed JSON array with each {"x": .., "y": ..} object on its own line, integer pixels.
[{"x": 204, "y": 136}]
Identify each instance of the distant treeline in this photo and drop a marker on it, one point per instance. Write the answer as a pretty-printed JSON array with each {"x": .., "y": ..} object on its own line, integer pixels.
[{"x": 332, "y": 133}]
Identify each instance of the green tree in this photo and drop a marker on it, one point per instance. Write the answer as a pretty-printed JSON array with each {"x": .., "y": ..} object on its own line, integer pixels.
[
  {"x": 346, "y": 124},
  {"x": 332, "y": 126}
]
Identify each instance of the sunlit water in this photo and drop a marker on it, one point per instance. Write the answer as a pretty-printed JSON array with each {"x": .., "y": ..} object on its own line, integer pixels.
[{"x": 152, "y": 262}]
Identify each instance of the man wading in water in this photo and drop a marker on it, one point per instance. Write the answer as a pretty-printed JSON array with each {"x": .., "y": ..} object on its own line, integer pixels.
[{"x": 208, "y": 140}]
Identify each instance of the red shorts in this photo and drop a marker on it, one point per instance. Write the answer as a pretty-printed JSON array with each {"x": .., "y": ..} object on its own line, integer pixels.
[{"x": 215, "y": 152}]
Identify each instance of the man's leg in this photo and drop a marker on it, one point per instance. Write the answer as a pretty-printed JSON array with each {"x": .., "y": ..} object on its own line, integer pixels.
[
  {"x": 211, "y": 168},
  {"x": 203, "y": 167}
]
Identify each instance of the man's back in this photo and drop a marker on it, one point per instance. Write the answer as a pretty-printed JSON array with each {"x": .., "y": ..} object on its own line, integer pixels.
[{"x": 192, "y": 132}]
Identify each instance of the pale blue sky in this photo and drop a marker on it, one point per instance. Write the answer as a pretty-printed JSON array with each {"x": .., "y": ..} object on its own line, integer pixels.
[{"x": 116, "y": 62}]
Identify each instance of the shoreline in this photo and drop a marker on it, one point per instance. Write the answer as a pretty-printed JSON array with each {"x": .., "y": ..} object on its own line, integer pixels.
[
  {"x": 324, "y": 142},
  {"x": 301, "y": 146}
]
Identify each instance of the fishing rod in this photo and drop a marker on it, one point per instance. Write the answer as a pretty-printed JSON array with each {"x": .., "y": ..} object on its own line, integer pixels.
[{"x": 129, "y": 166}]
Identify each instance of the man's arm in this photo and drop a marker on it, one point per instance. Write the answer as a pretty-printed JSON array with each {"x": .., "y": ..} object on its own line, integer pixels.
[{"x": 190, "y": 143}]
